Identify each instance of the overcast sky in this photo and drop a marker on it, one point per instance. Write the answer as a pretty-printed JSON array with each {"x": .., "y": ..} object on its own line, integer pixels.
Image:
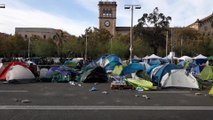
[{"x": 74, "y": 16}]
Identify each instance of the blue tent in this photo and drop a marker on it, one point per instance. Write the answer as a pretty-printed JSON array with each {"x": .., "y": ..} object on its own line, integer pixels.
[
  {"x": 108, "y": 62},
  {"x": 162, "y": 71},
  {"x": 61, "y": 73},
  {"x": 149, "y": 69},
  {"x": 132, "y": 68}
]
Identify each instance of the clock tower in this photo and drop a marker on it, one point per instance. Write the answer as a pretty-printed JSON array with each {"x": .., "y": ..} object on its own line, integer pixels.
[{"x": 107, "y": 16}]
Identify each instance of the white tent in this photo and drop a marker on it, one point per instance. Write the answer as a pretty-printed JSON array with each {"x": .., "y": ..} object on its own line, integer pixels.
[
  {"x": 153, "y": 56},
  {"x": 185, "y": 58},
  {"x": 43, "y": 72},
  {"x": 200, "y": 57},
  {"x": 19, "y": 72},
  {"x": 178, "y": 78},
  {"x": 1, "y": 67}
]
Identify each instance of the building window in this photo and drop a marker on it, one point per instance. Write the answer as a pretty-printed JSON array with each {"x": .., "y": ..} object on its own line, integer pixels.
[
  {"x": 44, "y": 36},
  {"x": 107, "y": 12},
  {"x": 205, "y": 28}
]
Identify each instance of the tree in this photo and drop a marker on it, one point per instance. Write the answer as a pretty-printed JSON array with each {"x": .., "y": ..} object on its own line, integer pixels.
[
  {"x": 152, "y": 28},
  {"x": 43, "y": 48},
  {"x": 97, "y": 42},
  {"x": 119, "y": 46}
]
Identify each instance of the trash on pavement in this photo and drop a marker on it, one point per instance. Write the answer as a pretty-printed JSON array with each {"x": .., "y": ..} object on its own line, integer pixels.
[{"x": 93, "y": 89}]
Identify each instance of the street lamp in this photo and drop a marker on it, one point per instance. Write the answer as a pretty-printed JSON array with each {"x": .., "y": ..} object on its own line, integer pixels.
[
  {"x": 131, "y": 6},
  {"x": 2, "y": 5}
]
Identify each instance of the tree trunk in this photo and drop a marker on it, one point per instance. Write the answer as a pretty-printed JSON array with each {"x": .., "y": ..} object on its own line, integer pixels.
[{"x": 155, "y": 50}]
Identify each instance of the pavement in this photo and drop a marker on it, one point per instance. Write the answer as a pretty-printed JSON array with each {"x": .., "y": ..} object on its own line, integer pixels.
[{"x": 65, "y": 101}]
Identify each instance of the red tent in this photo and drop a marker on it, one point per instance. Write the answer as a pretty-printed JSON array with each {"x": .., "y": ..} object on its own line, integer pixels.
[{"x": 7, "y": 68}]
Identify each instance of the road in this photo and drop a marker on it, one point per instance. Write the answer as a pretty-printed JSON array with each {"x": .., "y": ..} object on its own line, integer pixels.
[{"x": 54, "y": 101}]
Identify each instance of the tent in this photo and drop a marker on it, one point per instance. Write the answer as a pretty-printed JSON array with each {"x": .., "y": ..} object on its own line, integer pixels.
[
  {"x": 43, "y": 75},
  {"x": 153, "y": 56},
  {"x": 132, "y": 68},
  {"x": 8, "y": 66},
  {"x": 19, "y": 73},
  {"x": 185, "y": 58},
  {"x": 200, "y": 59},
  {"x": 162, "y": 71},
  {"x": 93, "y": 74},
  {"x": 61, "y": 74},
  {"x": 108, "y": 62},
  {"x": 1, "y": 67},
  {"x": 206, "y": 73},
  {"x": 153, "y": 59},
  {"x": 179, "y": 78}
]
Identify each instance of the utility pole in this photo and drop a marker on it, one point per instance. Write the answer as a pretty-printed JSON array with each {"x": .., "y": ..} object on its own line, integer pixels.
[{"x": 167, "y": 37}]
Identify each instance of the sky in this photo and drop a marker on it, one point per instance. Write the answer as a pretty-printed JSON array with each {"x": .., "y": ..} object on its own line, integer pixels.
[{"x": 74, "y": 16}]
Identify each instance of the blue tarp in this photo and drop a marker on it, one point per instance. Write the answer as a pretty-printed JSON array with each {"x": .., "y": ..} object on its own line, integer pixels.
[{"x": 132, "y": 68}]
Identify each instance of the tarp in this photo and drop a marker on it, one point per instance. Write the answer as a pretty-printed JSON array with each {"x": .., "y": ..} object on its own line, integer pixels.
[
  {"x": 19, "y": 73},
  {"x": 206, "y": 73},
  {"x": 8, "y": 66},
  {"x": 93, "y": 74},
  {"x": 146, "y": 85},
  {"x": 179, "y": 78},
  {"x": 132, "y": 68}
]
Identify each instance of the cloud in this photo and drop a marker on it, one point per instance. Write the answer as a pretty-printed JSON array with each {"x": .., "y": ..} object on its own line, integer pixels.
[{"x": 21, "y": 15}]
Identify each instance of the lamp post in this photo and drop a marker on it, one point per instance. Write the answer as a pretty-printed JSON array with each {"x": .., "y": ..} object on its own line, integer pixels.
[
  {"x": 131, "y": 6},
  {"x": 2, "y": 5}
]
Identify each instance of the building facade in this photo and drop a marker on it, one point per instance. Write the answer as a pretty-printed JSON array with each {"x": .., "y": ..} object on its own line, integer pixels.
[
  {"x": 204, "y": 26},
  {"x": 44, "y": 33}
]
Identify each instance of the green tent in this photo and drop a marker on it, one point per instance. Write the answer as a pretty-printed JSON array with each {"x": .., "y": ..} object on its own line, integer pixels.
[
  {"x": 210, "y": 58},
  {"x": 207, "y": 73}
]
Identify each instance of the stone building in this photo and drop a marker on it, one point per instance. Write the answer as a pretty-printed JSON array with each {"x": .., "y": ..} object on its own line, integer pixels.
[
  {"x": 44, "y": 33},
  {"x": 204, "y": 26}
]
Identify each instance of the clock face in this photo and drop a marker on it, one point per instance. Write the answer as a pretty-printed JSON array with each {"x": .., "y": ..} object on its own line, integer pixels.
[{"x": 107, "y": 23}]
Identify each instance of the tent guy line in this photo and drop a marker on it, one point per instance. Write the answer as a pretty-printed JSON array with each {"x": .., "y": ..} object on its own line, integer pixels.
[{"x": 153, "y": 108}]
